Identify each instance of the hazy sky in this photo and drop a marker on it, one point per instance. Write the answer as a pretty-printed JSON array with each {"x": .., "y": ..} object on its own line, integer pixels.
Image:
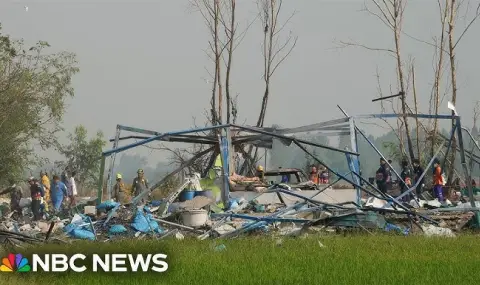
[{"x": 142, "y": 62}]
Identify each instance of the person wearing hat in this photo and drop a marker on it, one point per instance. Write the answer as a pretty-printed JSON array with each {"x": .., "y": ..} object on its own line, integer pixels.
[
  {"x": 140, "y": 184},
  {"x": 406, "y": 176},
  {"x": 381, "y": 176},
  {"x": 46, "y": 185},
  {"x": 119, "y": 190},
  {"x": 438, "y": 180},
  {"x": 37, "y": 193},
  {"x": 417, "y": 173},
  {"x": 15, "y": 196},
  {"x": 260, "y": 173}
]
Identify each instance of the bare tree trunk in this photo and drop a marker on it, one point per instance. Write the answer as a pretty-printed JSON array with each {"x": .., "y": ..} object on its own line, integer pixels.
[
  {"x": 218, "y": 54},
  {"x": 438, "y": 73},
  {"x": 416, "y": 111},
  {"x": 231, "y": 36},
  {"x": 274, "y": 54},
  {"x": 453, "y": 78},
  {"x": 397, "y": 27}
]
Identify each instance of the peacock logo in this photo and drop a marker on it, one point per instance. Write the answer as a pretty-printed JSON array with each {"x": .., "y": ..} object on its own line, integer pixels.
[{"x": 14, "y": 262}]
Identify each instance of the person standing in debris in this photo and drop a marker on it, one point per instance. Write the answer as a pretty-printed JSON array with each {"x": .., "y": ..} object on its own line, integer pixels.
[
  {"x": 59, "y": 192},
  {"x": 72, "y": 189},
  {"x": 140, "y": 184},
  {"x": 381, "y": 176},
  {"x": 119, "y": 190},
  {"x": 37, "y": 193},
  {"x": 406, "y": 176},
  {"x": 417, "y": 172},
  {"x": 314, "y": 176},
  {"x": 324, "y": 175},
  {"x": 46, "y": 185},
  {"x": 260, "y": 173},
  {"x": 438, "y": 180},
  {"x": 15, "y": 196},
  {"x": 390, "y": 176}
]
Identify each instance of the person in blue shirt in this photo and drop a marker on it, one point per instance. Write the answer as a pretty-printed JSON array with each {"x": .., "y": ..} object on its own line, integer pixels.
[{"x": 58, "y": 192}]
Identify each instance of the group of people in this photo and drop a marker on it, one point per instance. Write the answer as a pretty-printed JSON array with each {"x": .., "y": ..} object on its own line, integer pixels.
[
  {"x": 319, "y": 177},
  {"x": 44, "y": 193},
  {"x": 139, "y": 184},
  {"x": 410, "y": 177}
]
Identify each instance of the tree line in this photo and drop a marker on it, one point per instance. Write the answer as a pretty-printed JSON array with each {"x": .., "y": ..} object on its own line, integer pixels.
[{"x": 35, "y": 85}]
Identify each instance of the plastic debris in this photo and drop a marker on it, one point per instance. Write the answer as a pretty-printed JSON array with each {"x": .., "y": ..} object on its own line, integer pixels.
[
  {"x": 431, "y": 230},
  {"x": 117, "y": 229},
  {"x": 220, "y": 247},
  {"x": 108, "y": 205},
  {"x": 143, "y": 223}
]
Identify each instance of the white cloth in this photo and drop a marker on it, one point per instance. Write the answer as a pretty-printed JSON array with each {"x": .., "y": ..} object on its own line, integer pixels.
[{"x": 73, "y": 186}]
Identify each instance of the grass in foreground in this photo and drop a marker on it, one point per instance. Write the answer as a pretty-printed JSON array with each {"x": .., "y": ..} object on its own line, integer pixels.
[{"x": 342, "y": 260}]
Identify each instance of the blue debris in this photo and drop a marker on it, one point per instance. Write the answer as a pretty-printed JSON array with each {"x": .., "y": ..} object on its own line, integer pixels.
[
  {"x": 144, "y": 223},
  {"x": 233, "y": 204},
  {"x": 117, "y": 229},
  {"x": 82, "y": 234},
  {"x": 156, "y": 203},
  {"x": 392, "y": 227},
  {"x": 80, "y": 228},
  {"x": 108, "y": 205}
]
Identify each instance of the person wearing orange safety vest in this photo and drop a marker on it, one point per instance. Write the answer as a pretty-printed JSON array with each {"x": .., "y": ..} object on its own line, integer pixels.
[
  {"x": 438, "y": 180},
  {"x": 314, "y": 176}
]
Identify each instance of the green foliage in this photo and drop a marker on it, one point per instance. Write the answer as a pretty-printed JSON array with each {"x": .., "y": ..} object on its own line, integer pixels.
[
  {"x": 83, "y": 155},
  {"x": 34, "y": 85}
]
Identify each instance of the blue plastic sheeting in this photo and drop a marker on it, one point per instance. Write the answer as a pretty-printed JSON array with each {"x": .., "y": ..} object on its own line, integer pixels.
[
  {"x": 144, "y": 223},
  {"x": 82, "y": 234},
  {"x": 156, "y": 203},
  {"x": 117, "y": 229},
  {"x": 108, "y": 205},
  {"x": 392, "y": 227},
  {"x": 81, "y": 231}
]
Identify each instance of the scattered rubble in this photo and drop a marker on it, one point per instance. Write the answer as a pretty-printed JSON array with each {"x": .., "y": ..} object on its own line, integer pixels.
[{"x": 202, "y": 218}]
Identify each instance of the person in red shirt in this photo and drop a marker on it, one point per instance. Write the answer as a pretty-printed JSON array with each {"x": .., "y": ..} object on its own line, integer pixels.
[{"x": 437, "y": 180}]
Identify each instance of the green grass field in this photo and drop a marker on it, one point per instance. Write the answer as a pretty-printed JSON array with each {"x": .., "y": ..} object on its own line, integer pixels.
[{"x": 342, "y": 260}]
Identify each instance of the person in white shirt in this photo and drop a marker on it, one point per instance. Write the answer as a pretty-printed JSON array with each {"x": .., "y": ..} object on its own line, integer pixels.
[{"x": 72, "y": 189}]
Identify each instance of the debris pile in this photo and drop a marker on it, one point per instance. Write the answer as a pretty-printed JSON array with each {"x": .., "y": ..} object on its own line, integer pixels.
[{"x": 291, "y": 213}]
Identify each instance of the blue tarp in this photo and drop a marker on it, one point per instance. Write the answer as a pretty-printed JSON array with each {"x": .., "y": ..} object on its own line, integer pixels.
[
  {"x": 81, "y": 229},
  {"x": 117, "y": 229},
  {"x": 144, "y": 223},
  {"x": 108, "y": 205}
]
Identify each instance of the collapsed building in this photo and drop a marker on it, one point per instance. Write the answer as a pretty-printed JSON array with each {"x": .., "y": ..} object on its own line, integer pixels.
[{"x": 284, "y": 208}]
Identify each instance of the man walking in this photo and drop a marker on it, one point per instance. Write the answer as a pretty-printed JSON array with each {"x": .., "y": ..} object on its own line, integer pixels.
[
  {"x": 37, "y": 193},
  {"x": 119, "y": 190},
  {"x": 381, "y": 176},
  {"x": 59, "y": 192},
  {"x": 438, "y": 180},
  {"x": 46, "y": 186},
  {"x": 15, "y": 197},
  {"x": 417, "y": 172},
  {"x": 72, "y": 189},
  {"x": 140, "y": 184},
  {"x": 406, "y": 176}
]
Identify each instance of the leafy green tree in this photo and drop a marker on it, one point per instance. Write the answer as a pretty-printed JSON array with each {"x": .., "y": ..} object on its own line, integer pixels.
[
  {"x": 34, "y": 85},
  {"x": 83, "y": 155}
]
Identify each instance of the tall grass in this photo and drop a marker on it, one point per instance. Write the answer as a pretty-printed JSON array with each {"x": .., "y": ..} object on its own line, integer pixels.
[{"x": 341, "y": 260}]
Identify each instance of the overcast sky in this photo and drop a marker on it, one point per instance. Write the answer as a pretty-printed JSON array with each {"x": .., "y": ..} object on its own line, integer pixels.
[{"x": 142, "y": 62}]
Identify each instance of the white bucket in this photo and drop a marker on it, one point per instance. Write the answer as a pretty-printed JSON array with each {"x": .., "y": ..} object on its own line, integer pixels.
[{"x": 194, "y": 218}]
